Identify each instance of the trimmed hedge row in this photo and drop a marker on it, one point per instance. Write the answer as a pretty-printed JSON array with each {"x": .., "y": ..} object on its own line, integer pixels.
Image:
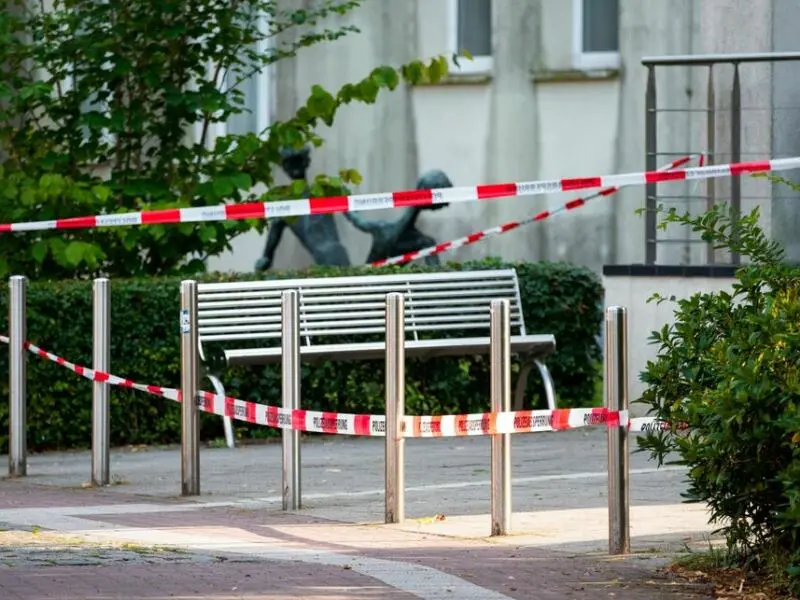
[{"x": 557, "y": 298}]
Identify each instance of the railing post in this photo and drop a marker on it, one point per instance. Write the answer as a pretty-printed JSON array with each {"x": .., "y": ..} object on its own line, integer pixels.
[
  {"x": 616, "y": 399},
  {"x": 395, "y": 408},
  {"x": 101, "y": 357},
  {"x": 736, "y": 153},
  {"x": 651, "y": 160},
  {"x": 290, "y": 362},
  {"x": 190, "y": 422},
  {"x": 711, "y": 136},
  {"x": 500, "y": 365},
  {"x": 17, "y": 377}
]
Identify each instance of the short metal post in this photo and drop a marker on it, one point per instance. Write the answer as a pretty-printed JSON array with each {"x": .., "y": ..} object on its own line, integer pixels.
[
  {"x": 395, "y": 408},
  {"x": 616, "y": 398},
  {"x": 101, "y": 357},
  {"x": 190, "y": 421},
  {"x": 500, "y": 365},
  {"x": 711, "y": 136},
  {"x": 290, "y": 361},
  {"x": 17, "y": 377}
]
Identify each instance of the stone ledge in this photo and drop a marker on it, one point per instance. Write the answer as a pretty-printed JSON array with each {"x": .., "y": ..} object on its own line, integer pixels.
[{"x": 639, "y": 270}]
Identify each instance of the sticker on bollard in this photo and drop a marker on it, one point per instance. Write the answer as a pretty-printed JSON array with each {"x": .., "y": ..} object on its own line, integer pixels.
[{"x": 186, "y": 326}]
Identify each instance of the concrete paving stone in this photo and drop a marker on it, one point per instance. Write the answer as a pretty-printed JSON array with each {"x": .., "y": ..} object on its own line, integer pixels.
[{"x": 501, "y": 566}]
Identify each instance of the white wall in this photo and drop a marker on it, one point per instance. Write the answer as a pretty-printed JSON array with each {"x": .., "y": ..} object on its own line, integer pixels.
[
  {"x": 579, "y": 124},
  {"x": 644, "y": 318}
]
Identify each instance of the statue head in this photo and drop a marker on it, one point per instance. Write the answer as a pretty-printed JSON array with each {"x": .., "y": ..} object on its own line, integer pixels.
[
  {"x": 295, "y": 161},
  {"x": 431, "y": 180}
]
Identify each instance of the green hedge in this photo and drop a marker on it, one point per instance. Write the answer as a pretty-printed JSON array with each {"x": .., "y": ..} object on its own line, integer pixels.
[{"x": 557, "y": 298}]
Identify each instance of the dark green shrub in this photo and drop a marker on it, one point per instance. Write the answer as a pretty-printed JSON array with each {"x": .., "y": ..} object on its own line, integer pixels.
[
  {"x": 558, "y": 298},
  {"x": 730, "y": 368}
]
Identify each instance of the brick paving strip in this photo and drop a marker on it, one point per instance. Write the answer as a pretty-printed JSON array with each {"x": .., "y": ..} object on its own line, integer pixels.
[{"x": 91, "y": 544}]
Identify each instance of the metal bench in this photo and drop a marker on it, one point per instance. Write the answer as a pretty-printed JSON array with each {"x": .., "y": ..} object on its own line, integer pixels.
[{"x": 436, "y": 306}]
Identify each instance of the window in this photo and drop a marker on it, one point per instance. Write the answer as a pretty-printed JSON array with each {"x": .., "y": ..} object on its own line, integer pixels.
[
  {"x": 595, "y": 35},
  {"x": 256, "y": 95},
  {"x": 471, "y": 30}
]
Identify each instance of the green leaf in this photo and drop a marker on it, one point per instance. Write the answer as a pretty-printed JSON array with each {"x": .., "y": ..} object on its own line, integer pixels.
[
  {"x": 74, "y": 252},
  {"x": 101, "y": 192},
  {"x": 321, "y": 104},
  {"x": 207, "y": 233},
  {"x": 368, "y": 91},
  {"x": 223, "y": 187},
  {"x": 39, "y": 251},
  {"x": 157, "y": 231},
  {"x": 28, "y": 197},
  {"x": 242, "y": 181},
  {"x": 350, "y": 176},
  {"x": 297, "y": 188},
  {"x": 130, "y": 239},
  {"x": 435, "y": 72}
]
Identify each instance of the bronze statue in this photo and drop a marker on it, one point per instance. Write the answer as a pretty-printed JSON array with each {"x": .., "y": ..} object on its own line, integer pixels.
[
  {"x": 392, "y": 238},
  {"x": 317, "y": 233}
]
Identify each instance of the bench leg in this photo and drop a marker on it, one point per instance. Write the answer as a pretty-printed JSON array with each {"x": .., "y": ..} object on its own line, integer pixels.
[
  {"x": 549, "y": 386},
  {"x": 522, "y": 384},
  {"x": 227, "y": 423}
]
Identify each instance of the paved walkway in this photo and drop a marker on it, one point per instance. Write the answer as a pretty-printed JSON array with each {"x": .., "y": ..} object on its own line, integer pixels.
[{"x": 137, "y": 541}]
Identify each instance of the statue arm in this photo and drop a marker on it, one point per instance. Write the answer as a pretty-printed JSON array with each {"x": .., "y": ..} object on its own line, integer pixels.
[
  {"x": 408, "y": 219},
  {"x": 372, "y": 227},
  {"x": 363, "y": 224}
]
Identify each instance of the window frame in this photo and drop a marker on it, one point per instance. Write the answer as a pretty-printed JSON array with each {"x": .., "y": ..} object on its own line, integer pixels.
[
  {"x": 583, "y": 59},
  {"x": 479, "y": 65},
  {"x": 265, "y": 84}
]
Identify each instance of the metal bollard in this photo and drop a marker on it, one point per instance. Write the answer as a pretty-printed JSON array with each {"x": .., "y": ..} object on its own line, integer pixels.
[
  {"x": 101, "y": 358},
  {"x": 190, "y": 420},
  {"x": 17, "y": 377},
  {"x": 290, "y": 371},
  {"x": 500, "y": 361},
  {"x": 616, "y": 398},
  {"x": 395, "y": 408}
]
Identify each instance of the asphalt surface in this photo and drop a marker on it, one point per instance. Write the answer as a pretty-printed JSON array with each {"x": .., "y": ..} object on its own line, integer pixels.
[{"x": 343, "y": 477}]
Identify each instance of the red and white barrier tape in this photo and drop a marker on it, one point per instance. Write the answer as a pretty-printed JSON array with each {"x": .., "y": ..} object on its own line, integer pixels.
[
  {"x": 100, "y": 376},
  {"x": 524, "y": 421},
  {"x": 652, "y": 425},
  {"x": 361, "y": 202},
  {"x": 511, "y": 225}
]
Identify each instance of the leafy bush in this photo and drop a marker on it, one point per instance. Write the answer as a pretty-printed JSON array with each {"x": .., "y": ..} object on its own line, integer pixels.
[
  {"x": 729, "y": 368},
  {"x": 557, "y": 298}
]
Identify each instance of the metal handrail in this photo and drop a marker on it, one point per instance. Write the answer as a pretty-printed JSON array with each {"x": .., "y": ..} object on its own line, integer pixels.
[{"x": 714, "y": 59}]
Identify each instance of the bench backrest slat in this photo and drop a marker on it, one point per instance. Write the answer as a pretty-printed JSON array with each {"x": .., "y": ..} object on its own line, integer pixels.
[{"x": 352, "y": 306}]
